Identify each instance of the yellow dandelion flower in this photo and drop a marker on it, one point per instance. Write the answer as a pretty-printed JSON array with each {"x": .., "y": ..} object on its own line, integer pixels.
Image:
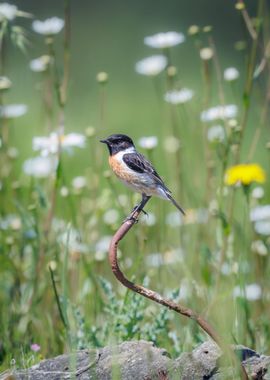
[{"x": 244, "y": 174}]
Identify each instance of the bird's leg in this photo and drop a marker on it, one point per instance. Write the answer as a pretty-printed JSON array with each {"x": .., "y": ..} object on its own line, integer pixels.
[
  {"x": 136, "y": 208},
  {"x": 139, "y": 207}
]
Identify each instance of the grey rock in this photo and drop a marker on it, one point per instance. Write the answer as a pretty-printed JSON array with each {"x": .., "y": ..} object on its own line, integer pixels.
[
  {"x": 201, "y": 363},
  {"x": 129, "y": 360},
  {"x": 258, "y": 367},
  {"x": 141, "y": 360}
]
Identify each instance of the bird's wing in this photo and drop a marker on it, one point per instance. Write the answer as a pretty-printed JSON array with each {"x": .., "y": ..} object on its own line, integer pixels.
[{"x": 137, "y": 162}]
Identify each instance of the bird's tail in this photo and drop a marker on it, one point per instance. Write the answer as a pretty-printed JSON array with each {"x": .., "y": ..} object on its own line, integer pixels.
[{"x": 176, "y": 204}]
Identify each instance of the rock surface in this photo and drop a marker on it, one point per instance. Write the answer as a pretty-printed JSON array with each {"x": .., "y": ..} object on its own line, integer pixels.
[{"x": 141, "y": 360}]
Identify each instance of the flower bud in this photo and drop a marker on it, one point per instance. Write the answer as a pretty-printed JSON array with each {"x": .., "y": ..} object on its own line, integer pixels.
[{"x": 102, "y": 77}]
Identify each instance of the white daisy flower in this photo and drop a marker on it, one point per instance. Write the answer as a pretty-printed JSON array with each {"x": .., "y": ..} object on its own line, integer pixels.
[
  {"x": 231, "y": 74},
  {"x": 164, "y": 40},
  {"x": 40, "y": 64},
  {"x": 11, "y": 111},
  {"x": 152, "y": 65},
  {"x": 79, "y": 182},
  {"x": 8, "y": 11},
  {"x": 257, "y": 192},
  {"x": 40, "y": 167},
  {"x": 149, "y": 142},
  {"x": 46, "y": 145},
  {"x": 219, "y": 113},
  {"x": 48, "y": 27},
  {"x": 251, "y": 292},
  {"x": 262, "y": 227},
  {"x": 73, "y": 140},
  {"x": 216, "y": 134},
  {"x": 179, "y": 97},
  {"x": 49, "y": 145},
  {"x": 259, "y": 213}
]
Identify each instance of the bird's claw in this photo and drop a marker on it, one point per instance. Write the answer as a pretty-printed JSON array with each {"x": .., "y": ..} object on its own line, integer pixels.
[
  {"x": 131, "y": 218},
  {"x": 145, "y": 213},
  {"x": 137, "y": 208}
]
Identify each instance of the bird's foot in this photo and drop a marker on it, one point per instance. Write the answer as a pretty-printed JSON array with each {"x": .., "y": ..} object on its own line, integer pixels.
[
  {"x": 138, "y": 208},
  {"x": 145, "y": 213},
  {"x": 134, "y": 216},
  {"x": 131, "y": 218}
]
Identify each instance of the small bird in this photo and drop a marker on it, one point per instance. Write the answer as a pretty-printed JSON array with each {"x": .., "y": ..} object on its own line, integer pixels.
[{"x": 135, "y": 171}]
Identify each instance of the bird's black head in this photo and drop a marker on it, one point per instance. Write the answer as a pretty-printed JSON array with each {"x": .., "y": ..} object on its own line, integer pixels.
[{"x": 117, "y": 143}]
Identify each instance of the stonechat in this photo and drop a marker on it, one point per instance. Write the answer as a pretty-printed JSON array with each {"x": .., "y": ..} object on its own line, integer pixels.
[{"x": 135, "y": 171}]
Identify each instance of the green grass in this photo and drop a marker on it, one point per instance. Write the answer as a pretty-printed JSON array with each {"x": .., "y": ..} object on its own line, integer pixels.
[{"x": 79, "y": 303}]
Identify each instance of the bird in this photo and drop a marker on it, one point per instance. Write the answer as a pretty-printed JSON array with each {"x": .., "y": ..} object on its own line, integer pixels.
[{"x": 135, "y": 171}]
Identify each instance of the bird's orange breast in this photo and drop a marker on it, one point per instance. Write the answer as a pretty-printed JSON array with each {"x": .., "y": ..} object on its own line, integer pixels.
[{"x": 121, "y": 169}]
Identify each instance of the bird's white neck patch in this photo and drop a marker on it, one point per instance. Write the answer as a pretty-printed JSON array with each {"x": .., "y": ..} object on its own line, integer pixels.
[{"x": 120, "y": 154}]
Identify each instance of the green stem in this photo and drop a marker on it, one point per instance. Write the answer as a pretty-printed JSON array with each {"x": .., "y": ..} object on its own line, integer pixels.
[
  {"x": 248, "y": 85},
  {"x": 57, "y": 298}
]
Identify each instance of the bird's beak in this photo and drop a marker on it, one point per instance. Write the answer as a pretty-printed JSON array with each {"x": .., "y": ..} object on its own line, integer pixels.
[{"x": 103, "y": 141}]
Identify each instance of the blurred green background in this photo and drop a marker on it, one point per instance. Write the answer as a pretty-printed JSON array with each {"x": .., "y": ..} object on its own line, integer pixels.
[{"x": 108, "y": 36}]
